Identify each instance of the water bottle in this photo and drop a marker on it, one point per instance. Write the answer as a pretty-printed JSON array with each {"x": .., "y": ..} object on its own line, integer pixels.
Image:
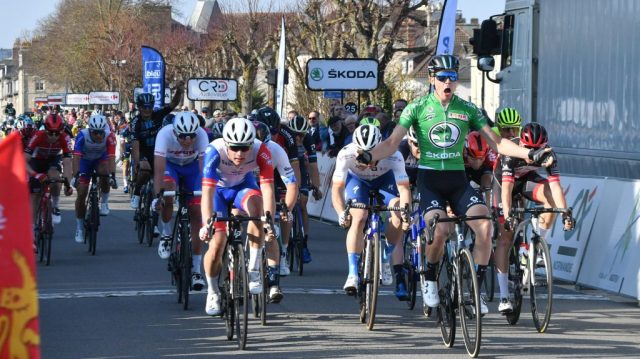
[{"x": 524, "y": 255}]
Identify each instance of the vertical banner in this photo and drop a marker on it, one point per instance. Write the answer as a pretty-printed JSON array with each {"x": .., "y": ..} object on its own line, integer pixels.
[
  {"x": 447, "y": 31},
  {"x": 281, "y": 69},
  {"x": 153, "y": 74},
  {"x": 19, "y": 329}
]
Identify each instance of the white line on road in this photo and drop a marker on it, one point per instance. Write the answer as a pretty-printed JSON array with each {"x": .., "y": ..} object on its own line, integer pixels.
[{"x": 312, "y": 291}]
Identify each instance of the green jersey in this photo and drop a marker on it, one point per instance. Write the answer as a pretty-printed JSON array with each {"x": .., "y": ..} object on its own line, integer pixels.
[{"x": 441, "y": 131}]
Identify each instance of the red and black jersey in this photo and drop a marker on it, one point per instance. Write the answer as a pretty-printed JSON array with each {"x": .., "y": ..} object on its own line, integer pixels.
[{"x": 39, "y": 146}]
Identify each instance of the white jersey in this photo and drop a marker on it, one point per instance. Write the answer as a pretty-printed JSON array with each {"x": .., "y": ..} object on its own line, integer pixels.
[
  {"x": 167, "y": 146},
  {"x": 346, "y": 164},
  {"x": 281, "y": 163}
]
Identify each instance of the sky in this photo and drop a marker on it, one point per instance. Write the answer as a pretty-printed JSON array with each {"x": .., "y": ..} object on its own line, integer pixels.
[{"x": 20, "y": 16}]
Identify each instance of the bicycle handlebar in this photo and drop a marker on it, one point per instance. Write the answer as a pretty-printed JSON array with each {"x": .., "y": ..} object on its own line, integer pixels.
[
  {"x": 377, "y": 208},
  {"x": 457, "y": 219},
  {"x": 536, "y": 211},
  {"x": 173, "y": 193},
  {"x": 267, "y": 218}
]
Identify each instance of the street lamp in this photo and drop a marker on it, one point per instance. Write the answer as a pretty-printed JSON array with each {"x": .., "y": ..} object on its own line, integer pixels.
[{"x": 118, "y": 64}]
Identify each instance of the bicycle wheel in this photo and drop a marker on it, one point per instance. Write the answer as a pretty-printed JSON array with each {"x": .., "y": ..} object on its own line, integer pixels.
[
  {"x": 227, "y": 305},
  {"x": 140, "y": 224},
  {"x": 515, "y": 280},
  {"x": 410, "y": 269},
  {"x": 151, "y": 217},
  {"x": 372, "y": 282},
  {"x": 240, "y": 295},
  {"x": 94, "y": 217},
  {"x": 469, "y": 302},
  {"x": 541, "y": 284},
  {"x": 185, "y": 263},
  {"x": 265, "y": 289},
  {"x": 446, "y": 313}
]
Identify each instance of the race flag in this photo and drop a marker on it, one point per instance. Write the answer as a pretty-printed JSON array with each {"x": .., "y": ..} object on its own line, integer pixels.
[
  {"x": 19, "y": 329},
  {"x": 447, "y": 31},
  {"x": 281, "y": 69},
  {"x": 153, "y": 74}
]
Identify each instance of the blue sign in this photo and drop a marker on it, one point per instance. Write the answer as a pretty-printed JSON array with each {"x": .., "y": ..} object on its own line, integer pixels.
[
  {"x": 334, "y": 95},
  {"x": 153, "y": 69}
]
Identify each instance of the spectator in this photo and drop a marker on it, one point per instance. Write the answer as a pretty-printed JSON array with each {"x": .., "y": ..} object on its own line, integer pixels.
[
  {"x": 399, "y": 104},
  {"x": 290, "y": 115},
  {"x": 386, "y": 125},
  {"x": 351, "y": 122},
  {"x": 396, "y": 115},
  {"x": 318, "y": 132},
  {"x": 185, "y": 108},
  {"x": 217, "y": 116},
  {"x": 337, "y": 135},
  {"x": 208, "y": 119}
]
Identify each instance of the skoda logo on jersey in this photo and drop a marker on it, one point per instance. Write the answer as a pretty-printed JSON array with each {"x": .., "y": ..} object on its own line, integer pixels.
[
  {"x": 474, "y": 199},
  {"x": 435, "y": 203},
  {"x": 444, "y": 135}
]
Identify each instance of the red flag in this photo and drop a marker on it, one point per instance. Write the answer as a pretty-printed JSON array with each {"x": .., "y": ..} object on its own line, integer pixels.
[{"x": 19, "y": 331}]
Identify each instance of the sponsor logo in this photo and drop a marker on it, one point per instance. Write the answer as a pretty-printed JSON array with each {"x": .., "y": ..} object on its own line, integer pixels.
[
  {"x": 444, "y": 135},
  {"x": 442, "y": 156},
  {"x": 435, "y": 203},
  {"x": 350, "y": 74},
  {"x": 316, "y": 74},
  {"x": 355, "y": 189},
  {"x": 458, "y": 116},
  {"x": 153, "y": 69}
]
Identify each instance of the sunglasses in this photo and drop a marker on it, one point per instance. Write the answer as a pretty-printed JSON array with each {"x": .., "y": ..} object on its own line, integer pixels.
[
  {"x": 415, "y": 143},
  {"x": 239, "y": 148},
  {"x": 53, "y": 133},
  {"x": 186, "y": 136},
  {"x": 97, "y": 132},
  {"x": 443, "y": 76}
]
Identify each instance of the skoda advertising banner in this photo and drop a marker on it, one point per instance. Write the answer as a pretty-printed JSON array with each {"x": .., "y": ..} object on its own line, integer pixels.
[
  {"x": 212, "y": 89},
  {"x": 342, "y": 74}
]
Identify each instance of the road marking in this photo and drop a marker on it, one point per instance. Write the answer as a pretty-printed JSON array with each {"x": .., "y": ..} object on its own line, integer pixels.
[{"x": 311, "y": 291}]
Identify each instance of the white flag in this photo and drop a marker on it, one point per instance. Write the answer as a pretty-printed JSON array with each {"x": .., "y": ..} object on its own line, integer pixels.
[{"x": 281, "y": 69}]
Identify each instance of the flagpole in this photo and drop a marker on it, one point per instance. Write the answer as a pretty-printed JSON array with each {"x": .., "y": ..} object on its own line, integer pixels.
[{"x": 281, "y": 70}]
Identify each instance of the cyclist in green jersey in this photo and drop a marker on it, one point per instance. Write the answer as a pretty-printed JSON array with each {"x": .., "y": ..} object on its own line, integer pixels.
[{"x": 441, "y": 121}]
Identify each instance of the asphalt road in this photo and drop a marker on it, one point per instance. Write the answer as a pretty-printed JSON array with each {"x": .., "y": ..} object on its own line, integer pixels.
[{"x": 120, "y": 304}]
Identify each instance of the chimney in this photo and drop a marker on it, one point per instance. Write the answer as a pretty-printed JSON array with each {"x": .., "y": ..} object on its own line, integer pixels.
[{"x": 474, "y": 21}]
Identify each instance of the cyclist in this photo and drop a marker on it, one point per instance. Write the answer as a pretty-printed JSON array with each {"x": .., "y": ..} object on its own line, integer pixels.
[
  {"x": 521, "y": 177},
  {"x": 285, "y": 182},
  {"x": 47, "y": 155},
  {"x": 228, "y": 178},
  {"x": 216, "y": 129},
  {"x": 94, "y": 150},
  {"x": 442, "y": 121},
  {"x": 179, "y": 151},
  {"x": 353, "y": 180},
  {"x": 124, "y": 141},
  {"x": 477, "y": 163},
  {"x": 27, "y": 129},
  {"x": 144, "y": 129},
  {"x": 411, "y": 154},
  {"x": 309, "y": 175}
]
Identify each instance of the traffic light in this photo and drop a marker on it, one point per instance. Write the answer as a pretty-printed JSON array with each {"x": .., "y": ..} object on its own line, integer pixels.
[
  {"x": 486, "y": 40},
  {"x": 272, "y": 77}
]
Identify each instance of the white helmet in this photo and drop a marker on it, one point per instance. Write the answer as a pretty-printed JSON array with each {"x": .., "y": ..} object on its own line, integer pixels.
[
  {"x": 412, "y": 135},
  {"x": 185, "y": 122},
  {"x": 97, "y": 122},
  {"x": 239, "y": 131},
  {"x": 367, "y": 137}
]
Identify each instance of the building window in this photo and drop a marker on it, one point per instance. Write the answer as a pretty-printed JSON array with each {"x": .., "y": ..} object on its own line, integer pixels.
[{"x": 39, "y": 85}]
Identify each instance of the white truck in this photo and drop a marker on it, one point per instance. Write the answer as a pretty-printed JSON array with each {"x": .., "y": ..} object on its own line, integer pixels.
[{"x": 574, "y": 67}]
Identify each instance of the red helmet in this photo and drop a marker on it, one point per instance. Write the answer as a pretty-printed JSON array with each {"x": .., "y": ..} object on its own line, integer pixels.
[
  {"x": 53, "y": 122},
  {"x": 476, "y": 145},
  {"x": 533, "y": 135}
]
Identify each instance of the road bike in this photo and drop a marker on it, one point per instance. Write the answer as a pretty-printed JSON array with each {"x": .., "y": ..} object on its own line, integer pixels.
[
  {"x": 145, "y": 217},
  {"x": 180, "y": 259},
  {"x": 458, "y": 287},
  {"x": 44, "y": 223},
  {"x": 233, "y": 280},
  {"x": 92, "y": 215},
  {"x": 371, "y": 258},
  {"x": 530, "y": 269},
  {"x": 295, "y": 250}
]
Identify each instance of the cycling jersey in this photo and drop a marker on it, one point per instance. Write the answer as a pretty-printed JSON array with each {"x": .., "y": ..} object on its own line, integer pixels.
[
  {"x": 281, "y": 164},
  {"x": 441, "y": 131},
  {"x": 475, "y": 175},
  {"x": 88, "y": 149},
  {"x": 220, "y": 171},
  {"x": 145, "y": 131},
  {"x": 410, "y": 162},
  {"x": 167, "y": 146},
  {"x": 511, "y": 169},
  {"x": 287, "y": 140},
  {"x": 346, "y": 164},
  {"x": 40, "y": 148}
]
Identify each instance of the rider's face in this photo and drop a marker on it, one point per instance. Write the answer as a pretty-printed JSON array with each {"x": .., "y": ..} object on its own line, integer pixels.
[{"x": 444, "y": 89}]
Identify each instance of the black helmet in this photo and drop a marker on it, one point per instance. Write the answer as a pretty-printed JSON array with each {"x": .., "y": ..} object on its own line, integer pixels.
[
  {"x": 533, "y": 135},
  {"x": 443, "y": 62},
  {"x": 269, "y": 116},
  {"x": 145, "y": 99}
]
